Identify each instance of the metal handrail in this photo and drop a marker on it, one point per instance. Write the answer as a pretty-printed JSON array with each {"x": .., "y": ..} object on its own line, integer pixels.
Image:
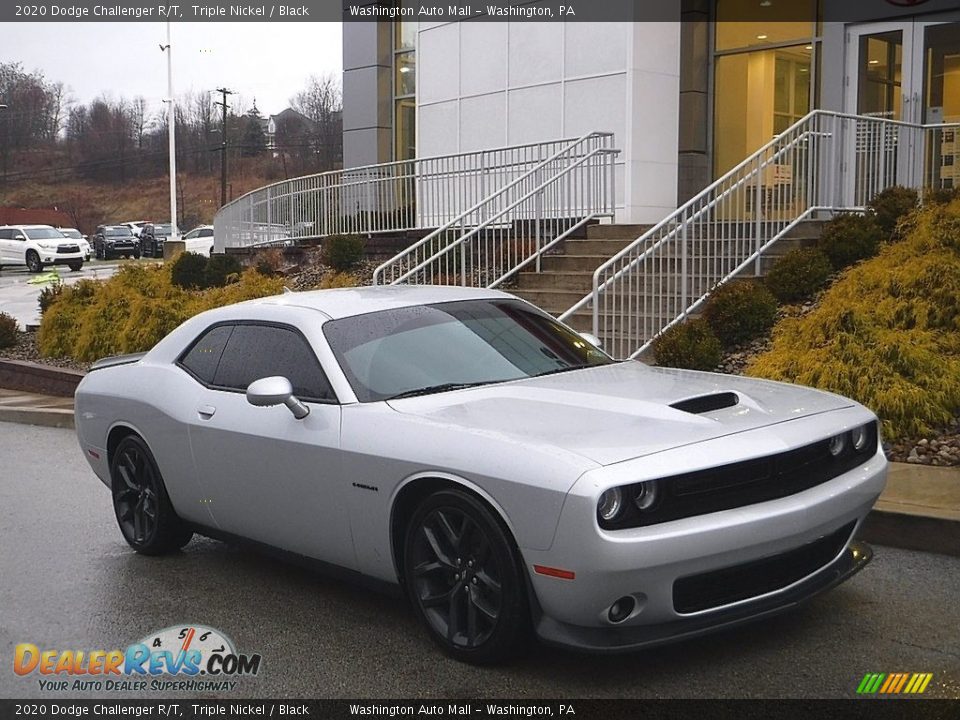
[
  {"x": 525, "y": 223},
  {"x": 824, "y": 163},
  {"x": 397, "y": 196}
]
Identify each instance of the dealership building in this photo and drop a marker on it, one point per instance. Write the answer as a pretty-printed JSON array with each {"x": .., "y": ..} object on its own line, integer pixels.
[{"x": 686, "y": 99}]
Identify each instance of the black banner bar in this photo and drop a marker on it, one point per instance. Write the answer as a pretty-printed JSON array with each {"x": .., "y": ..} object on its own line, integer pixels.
[
  {"x": 872, "y": 709},
  {"x": 462, "y": 10}
]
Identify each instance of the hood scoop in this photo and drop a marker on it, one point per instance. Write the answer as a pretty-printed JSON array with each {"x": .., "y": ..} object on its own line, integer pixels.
[{"x": 707, "y": 403}]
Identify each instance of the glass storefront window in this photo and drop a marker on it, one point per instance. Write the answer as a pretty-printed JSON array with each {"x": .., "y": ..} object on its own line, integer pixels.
[
  {"x": 879, "y": 91},
  {"x": 406, "y": 79},
  {"x": 405, "y": 35},
  {"x": 748, "y": 23},
  {"x": 757, "y": 95},
  {"x": 406, "y": 129}
]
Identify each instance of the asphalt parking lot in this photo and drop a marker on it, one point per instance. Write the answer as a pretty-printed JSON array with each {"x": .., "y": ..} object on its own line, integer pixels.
[
  {"x": 18, "y": 297},
  {"x": 70, "y": 582}
]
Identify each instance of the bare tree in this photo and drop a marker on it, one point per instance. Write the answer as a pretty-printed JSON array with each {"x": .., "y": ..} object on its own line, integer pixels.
[{"x": 322, "y": 102}]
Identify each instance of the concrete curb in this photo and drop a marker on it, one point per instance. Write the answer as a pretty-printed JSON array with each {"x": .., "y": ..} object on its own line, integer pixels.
[{"x": 47, "y": 417}]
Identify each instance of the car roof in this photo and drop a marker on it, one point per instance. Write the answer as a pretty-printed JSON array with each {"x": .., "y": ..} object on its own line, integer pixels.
[
  {"x": 346, "y": 302},
  {"x": 29, "y": 227}
]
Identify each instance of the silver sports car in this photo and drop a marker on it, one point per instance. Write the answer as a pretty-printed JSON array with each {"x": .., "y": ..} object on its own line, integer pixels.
[{"x": 467, "y": 449}]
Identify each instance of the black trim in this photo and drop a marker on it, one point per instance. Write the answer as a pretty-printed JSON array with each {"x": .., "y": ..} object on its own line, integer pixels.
[
  {"x": 735, "y": 583},
  {"x": 743, "y": 483},
  {"x": 267, "y": 323}
]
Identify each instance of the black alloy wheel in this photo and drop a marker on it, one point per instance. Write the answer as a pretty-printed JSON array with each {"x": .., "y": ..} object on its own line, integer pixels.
[
  {"x": 463, "y": 576},
  {"x": 33, "y": 261},
  {"x": 143, "y": 510}
]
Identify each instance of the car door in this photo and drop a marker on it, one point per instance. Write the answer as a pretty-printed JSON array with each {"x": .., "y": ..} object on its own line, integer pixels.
[
  {"x": 17, "y": 247},
  {"x": 6, "y": 239},
  {"x": 268, "y": 476}
]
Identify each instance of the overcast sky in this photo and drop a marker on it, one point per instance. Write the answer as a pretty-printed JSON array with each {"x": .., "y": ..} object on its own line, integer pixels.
[{"x": 269, "y": 61}]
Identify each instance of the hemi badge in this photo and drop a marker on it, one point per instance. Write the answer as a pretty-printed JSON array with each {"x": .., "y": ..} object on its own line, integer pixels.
[{"x": 554, "y": 572}]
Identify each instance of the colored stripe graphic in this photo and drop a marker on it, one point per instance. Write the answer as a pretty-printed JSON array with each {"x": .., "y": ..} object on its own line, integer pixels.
[{"x": 894, "y": 683}]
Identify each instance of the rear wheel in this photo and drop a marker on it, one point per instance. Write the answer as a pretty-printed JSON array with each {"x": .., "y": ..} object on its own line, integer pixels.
[
  {"x": 464, "y": 577},
  {"x": 33, "y": 261},
  {"x": 143, "y": 510}
]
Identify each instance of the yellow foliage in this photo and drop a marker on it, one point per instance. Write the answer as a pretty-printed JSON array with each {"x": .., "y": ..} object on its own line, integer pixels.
[
  {"x": 133, "y": 310},
  {"x": 338, "y": 280},
  {"x": 888, "y": 332}
]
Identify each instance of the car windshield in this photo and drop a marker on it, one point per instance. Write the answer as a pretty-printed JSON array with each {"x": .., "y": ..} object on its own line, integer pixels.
[
  {"x": 75, "y": 234},
  {"x": 43, "y": 234},
  {"x": 118, "y": 232},
  {"x": 161, "y": 229},
  {"x": 432, "y": 348}
]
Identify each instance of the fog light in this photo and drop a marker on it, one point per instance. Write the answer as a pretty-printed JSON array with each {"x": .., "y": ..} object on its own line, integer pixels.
[
  {"x": 621, "y": 609},
  {"x": 858, "y": 437},
  {"x": 610, "y": 504},
  {"x": 837, "y": 443}
]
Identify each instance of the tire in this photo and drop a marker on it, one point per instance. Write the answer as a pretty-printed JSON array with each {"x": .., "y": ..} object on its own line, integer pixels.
[
  {"x": 75, "y": 266},
  {"x": 33, "y": 262},
  {"x": 464, "y": 578},
  {"x": 137, "y": 488},
  {"x": 136, "y": 255}
]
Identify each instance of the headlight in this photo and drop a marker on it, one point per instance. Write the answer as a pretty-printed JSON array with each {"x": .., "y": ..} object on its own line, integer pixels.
[
  {"x": 46, "y": 246},
  {"x": 646, "y": 495},
  {"x": 858, "y": 437},
  {"x": 610, "y": 504},
  {"x": 836, "y": 445}
]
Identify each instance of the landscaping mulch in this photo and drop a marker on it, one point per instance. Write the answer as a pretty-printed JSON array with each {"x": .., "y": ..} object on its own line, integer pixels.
[{"x": 26, "y": 349}]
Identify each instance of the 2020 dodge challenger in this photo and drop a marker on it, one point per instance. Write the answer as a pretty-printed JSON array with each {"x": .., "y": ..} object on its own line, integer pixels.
[{"x": 501, "y": 470}]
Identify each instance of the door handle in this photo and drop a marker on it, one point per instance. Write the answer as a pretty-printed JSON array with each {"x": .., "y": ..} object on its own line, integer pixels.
[{"x": 206, "y": 411}]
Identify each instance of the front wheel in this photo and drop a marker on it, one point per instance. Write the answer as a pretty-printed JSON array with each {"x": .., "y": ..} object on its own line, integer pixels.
[
  {"x": 75, "y": 266},
  {"x": 143, "y": 510},
  {"x": 33, "y": 261},
  {"x": 136, "y": 255},
  {"x": 464, "y": 577}
]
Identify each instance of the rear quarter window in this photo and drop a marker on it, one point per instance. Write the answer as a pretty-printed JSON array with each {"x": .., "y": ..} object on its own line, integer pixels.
[{"x": 202, "y": 359}]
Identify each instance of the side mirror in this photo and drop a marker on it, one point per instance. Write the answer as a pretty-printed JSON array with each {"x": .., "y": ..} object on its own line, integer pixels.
[
  {"x": 19, "y": 237},
  {"x": 277, "y": 390},
  {"x": 592, "y": 339}
]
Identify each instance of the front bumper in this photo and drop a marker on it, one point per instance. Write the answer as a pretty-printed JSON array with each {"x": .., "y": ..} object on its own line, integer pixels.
[
  {"x": 624, "y": 639},
  {"x": 646, "y": 563},
  {"x": 48, "y": 258},
  {"x": 119, "y": 250}
]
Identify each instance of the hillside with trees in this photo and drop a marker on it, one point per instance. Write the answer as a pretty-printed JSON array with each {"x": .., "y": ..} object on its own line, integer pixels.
[{"x": 106, "y": 160}]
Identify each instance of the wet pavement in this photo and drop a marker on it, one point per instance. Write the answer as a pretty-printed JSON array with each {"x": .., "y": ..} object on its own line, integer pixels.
[{"x": 68, "y": 581}]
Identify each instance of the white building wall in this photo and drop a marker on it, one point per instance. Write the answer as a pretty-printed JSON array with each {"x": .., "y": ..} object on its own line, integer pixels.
[{"x": 483, "y": 85}]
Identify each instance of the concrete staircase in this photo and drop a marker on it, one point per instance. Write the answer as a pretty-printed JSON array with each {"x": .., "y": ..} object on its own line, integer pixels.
[{"x": 567, "y": 275}]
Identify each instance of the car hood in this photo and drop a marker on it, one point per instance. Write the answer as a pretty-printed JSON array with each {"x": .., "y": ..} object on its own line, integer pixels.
[{"x": 613, "y": 413}]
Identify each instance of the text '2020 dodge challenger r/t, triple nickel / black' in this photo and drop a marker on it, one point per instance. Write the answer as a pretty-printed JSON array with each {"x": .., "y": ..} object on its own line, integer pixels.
[{"x": 505, "y": 473}]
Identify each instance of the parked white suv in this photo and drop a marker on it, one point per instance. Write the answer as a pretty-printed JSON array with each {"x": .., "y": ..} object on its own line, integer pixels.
[
  {"x": 36, "y": 246},
  {"x": 199, "y": 240},
  {"x": 74, "y": 234}
]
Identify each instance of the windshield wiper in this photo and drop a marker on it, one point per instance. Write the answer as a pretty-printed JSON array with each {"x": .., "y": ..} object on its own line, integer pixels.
[
  {"x": 566, "y": 369},
  {"x": 443, "y": 387}
]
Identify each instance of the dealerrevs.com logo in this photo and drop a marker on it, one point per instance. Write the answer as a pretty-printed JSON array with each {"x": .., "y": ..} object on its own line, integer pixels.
[{"x": 180, "y": 657}]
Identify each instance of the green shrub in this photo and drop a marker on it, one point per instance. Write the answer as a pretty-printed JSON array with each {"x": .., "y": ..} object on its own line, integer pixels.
[
  {"x": 739, "y": 311},
  {"x": 188, "y": 271},
  {"x": 49, "y": 295},
  {"x": 221, "y": 270},
  {"x": 133, "y": 310},
  {"x": 887, "y": 333},
  {"x": 798, "y": 274},
  {"x": 941, "y": 196},
  {"x": 8, "y": 330},
  {"x": 691, "y": 345},
  {"x": 343, "y": 252},
  {"x": 847, "y": 239},
  {"x": 892, "y": 204}
]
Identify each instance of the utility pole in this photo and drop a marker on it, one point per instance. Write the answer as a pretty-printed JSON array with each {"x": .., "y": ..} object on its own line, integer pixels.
[
  {"x": 223, "y": 145},
  {"x": 6, "y": 141},
  {"x": 172, "y": 134}
]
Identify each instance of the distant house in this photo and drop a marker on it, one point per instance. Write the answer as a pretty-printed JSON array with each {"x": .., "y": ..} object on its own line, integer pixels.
[{"x": 293, "y": 134}]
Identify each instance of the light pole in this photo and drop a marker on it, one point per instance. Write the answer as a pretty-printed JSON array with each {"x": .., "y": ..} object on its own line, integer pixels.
[
  {"x": 171, "y": 134},
  {"x": 6, "y": 142}
]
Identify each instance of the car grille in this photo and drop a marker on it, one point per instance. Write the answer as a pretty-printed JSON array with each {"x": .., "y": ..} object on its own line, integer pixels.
[
  {"x": 744, "y": 483},
  {"x": 65, "y": 249},
  {"x": 740, "y": 582}
]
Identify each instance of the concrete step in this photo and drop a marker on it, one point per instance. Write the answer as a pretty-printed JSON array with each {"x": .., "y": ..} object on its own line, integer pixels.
[
  {"x": 595, "y": 247},
  {"x": 616, "y": 232},
  {"x": 572, "y": 263},
  {"x": 582, "y": 282}
]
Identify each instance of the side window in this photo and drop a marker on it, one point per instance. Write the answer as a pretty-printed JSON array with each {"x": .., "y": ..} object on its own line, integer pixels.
[
  {"x": 258, "y": 351},
  {"x": 206, "y": 233},
  {"x": 202, "y": 359},
  {"x": 6, "y": 234}
]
